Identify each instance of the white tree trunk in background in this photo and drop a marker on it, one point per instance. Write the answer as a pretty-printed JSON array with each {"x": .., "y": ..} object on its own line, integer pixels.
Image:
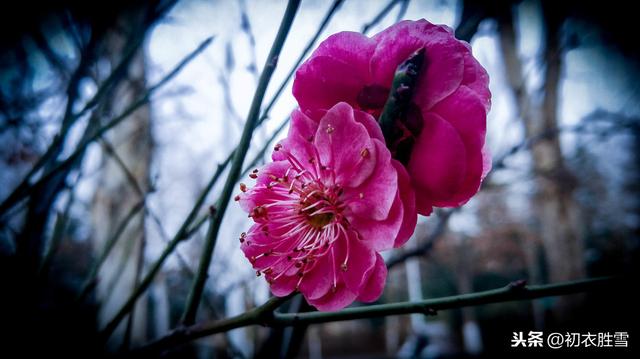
[
  {"x": 557, "y": 217},
  {"x": 115, "y": 194}
]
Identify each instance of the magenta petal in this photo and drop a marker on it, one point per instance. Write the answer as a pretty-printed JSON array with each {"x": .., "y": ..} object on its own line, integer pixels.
[
  {"x": 335, "y": 299},
  {"x": 302, "y": 126},
  {"x": 375, "y": 196},
  {"x": 277, "y": 263},
  {"x": 323, "y": 81},
  {"x": 464, "y": 110},
  {"x": 350, "y": 47},
  {"x": 394, "y": 45},
  {"x": 443, "y": 74},
  {"x": 380, "y": 235},
  {"x": 276, "y": 168},
  {"x": 252, "y": 198},
  {"x": 476, "y": 78},
  {"x": 284, "y": 285},
  {"x": 354, "y": 256},
  {"x": 345, "y": 146},
  {"x": 439, "y": 160},
  {"x": 316, "y": 281},
  {"x": 370, "y": 123},
  {"x": 444, "y": 58},
  {"x": 376, "y": 280},
  {"x": 301, "y": 130},
  {"x": 256, "y": 244},
  {"x": 470, "y": 183},
  {"x": 408, "y": 197},
  {"x": 424, "y": 205}
]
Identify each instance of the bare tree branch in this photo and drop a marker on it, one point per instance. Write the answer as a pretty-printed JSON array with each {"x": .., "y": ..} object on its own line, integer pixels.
[
  {"x": 240, "y": 153},
  {"x": 265, "y": 315}
]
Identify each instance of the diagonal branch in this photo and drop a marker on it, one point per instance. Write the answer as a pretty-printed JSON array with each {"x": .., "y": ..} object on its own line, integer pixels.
[
  {"x": 91, "y": 280},
  {"x": 265, "y": 315},
  {"x": 323, "y": 24},
  {"x": 380, "y": 16},
  {"x": 111, "y": 151},
  {"x": 427, "y": 244},
  {"x": 47, "y": 160},
  {"x": 512, "y": 292},
  {"x": 238, "y": 159},
  {"x": 265, "y": 115},
  {"x": 25, "y": 187},
  {"x": 188, "y": 228}
]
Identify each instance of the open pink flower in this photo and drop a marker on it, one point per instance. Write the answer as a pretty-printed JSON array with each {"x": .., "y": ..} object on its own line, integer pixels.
[
  {"x": 331, "y": 199},
  {"x": 446, "y": 162}
]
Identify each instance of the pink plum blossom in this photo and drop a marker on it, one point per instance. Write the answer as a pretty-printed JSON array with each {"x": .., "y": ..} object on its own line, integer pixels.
[
  {"x": 331, "y": 199},
  {"x": 446, "y": 160}
]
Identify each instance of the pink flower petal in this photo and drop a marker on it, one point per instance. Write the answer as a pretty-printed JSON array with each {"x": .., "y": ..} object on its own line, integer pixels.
[
  {"x": 323, "y": 81},
  {"x": 350, "y": 47},
  {"x": 352, "y": 260},
  {"x": 284, "y": 286},
  {"x": 469, "y": 185},
  {"x": 379, "y": 235},
  {"x": 476, "y": 78},
  {"x": 257, "y": 244},
  {"x": 424, "y": 204},
  {"x": 317, "y": 282},
  {"x": 335, "y": 299},
  {"x": 302, "y": 126},
  {"x": 375, "y": 196},
  {"x": 408, "y": 197},
  {"x": 299, "y": 142},
  {"x": 438, "y": 162},
  {"x": 444, "y": 59},
  {"x": 276, "y": 168},
  {"x": 376, "y": 280},
  {"x": 370, "y": 124},
  {"x": 344, "y": 146},
  {"x": 466, "y": 113},
  {"x": 464, "y": 110}
]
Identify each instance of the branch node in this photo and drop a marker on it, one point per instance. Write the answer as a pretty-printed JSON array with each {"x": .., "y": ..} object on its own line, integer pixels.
[
  {"x": 429, "y": 312},
  {"x": 519, "y": 285}
]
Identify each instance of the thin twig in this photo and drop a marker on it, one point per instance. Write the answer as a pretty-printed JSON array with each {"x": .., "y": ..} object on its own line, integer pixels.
[
  {"x": 323, "y": 24},
  {"x": 265, "y": 115},
  {"x": 195, "y": 294},
  {"x": 380, "y": 16},
  {"x": 155, "y": 267},
  {"x": 265, "y": 315},
  {"x": 111, "y": 151},
  {"x": 70, "y": 117},
  {"x": 426, "y": 245},
  {"x": 126, "y": 344},
  {"x": 245, "y": 24},
  {"x": 403, "y": 10},
  {"x": 187, "y": 229},
  {"x": 259, "y": 315},
  {"x": 184, "y": 265},
  {"x": 512, "y": 292},
  {"x": 254, "y": 162},
  {"x": 90, "y": 281},
  {"x": 59, "y": 230},
  {"x": 25, "y": 188},
  {"x": 260, "y": 155}
]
